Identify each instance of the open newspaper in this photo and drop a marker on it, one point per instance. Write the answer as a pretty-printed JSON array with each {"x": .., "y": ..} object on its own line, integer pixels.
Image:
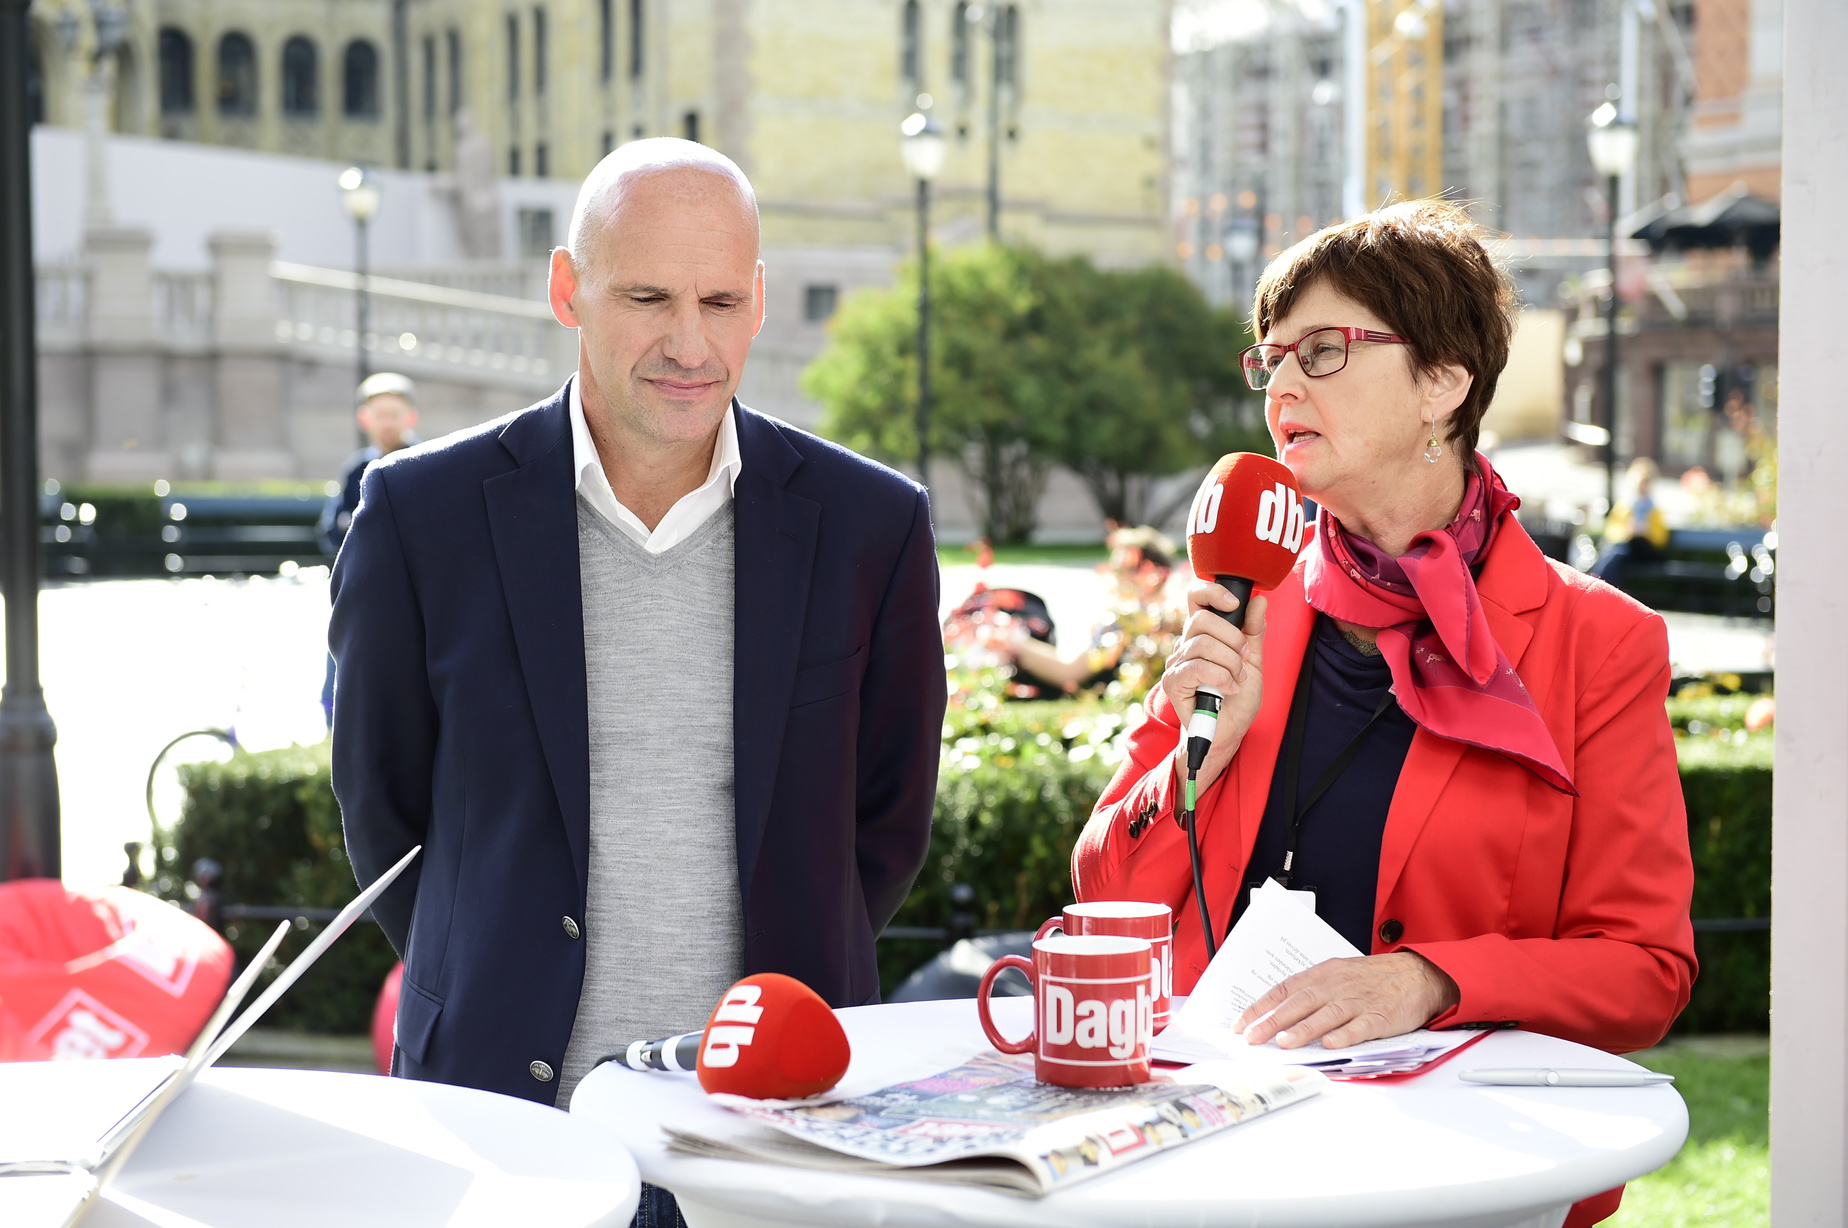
[
  {"x": 91, "y": 1171},
  {"x": 989, "y": 1122}
]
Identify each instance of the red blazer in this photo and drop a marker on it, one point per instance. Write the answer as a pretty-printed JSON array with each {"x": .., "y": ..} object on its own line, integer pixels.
[{"x": 1566, "y": 915}]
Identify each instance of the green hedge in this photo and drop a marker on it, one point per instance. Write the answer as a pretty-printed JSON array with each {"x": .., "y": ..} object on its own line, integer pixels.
[
  {"x": 1727, "y": 783},
  {"x": 1017, "y": 783},
  {"x": 271, "y": 821}
]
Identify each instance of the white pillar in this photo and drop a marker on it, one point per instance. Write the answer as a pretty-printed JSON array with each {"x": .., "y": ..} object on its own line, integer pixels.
[
  {"x": 127, "y": 434},
  {"x": 1809, "y": 875},
  {"x": 249, "y": 392}
]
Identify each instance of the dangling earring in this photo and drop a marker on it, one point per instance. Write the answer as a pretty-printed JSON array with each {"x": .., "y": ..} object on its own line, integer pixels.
[{"x": 1433, "y": 453}]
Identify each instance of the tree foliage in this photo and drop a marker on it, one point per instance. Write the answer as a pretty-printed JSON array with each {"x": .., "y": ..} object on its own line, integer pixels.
[{"x": 1121, "y": 376}]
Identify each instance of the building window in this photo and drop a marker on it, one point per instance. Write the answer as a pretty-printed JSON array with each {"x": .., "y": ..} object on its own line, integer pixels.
[
  {"x": 176, "y": 72},
  {"x": 636, "y": 32},
  {"x": 819, "y": 301},
  {"x": 538, "y": 52},
  {"x": 606, "y": 40},
  {"x": 959, "y": 45},
  {"x": 237, "y": 75},
  {"x": 542, "y": 162},
  {"x": 535, "y": 229},
  {"x": 1007, "y": 45},
  {"x": 690, "y": 125},
  {"x": 301, "y": 79},
  {"x": 513, "y": 162},
  {"x": 609, "y": 139},
  {"x": 361, "y": 78},
  {"x": 910, "y": 57},
  {"x": 455, "y": 71},
  {"x": 513, "y": 57}
]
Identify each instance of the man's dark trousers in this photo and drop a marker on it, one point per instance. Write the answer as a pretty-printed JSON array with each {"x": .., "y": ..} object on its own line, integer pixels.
[{"x": 458, "y": 613}]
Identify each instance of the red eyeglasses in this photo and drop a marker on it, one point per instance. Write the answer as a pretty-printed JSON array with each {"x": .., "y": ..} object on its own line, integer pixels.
[{"x": 1319, "y": 353}]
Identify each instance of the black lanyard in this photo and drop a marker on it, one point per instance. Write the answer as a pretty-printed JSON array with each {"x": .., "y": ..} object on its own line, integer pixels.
[{"x": 1293, "y": 758}]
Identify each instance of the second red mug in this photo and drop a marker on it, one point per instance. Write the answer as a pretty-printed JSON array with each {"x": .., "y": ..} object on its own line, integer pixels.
[{"x": 1129, "y": 919}]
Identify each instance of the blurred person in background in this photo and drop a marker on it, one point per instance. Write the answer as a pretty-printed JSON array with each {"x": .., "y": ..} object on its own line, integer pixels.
[
  {"x": 1636, "y": 531},
  {"x": 1460, "y": 746},
  {"x": 1013, "y": 629},
  {"x": 388, "y": 415}
]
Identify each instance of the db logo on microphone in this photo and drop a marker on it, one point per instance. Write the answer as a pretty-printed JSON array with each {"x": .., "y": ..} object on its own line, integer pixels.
[
  {"x": 1280, "y": 518},
  {"x": 734, "y": 1025}
]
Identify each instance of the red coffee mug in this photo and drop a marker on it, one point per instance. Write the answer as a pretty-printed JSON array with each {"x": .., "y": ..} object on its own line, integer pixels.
[
  {"x": 1092, "y": 1010},
  {"x": 1129, "y": 919}
]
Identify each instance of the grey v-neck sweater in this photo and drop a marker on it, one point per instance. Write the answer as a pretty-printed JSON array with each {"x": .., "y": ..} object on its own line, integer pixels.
[{"x": 664, "y": 926}]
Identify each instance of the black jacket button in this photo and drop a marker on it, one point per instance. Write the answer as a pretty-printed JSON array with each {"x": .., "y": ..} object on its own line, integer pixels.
[
  {"x": 540, "y": 1071},
  {"x": 1391, "y": 931},
  {"x": 571, "y": 928}
]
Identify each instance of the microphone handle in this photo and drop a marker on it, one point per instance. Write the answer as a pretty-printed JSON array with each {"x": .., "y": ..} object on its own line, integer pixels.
[
  {"x": 679, "y": 1053},
  {"x": 1240, "y": 588}
]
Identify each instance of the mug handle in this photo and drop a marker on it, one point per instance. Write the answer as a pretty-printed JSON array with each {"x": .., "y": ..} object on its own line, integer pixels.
[
  {"x": 981, "y": 1005},
  {"x": 1051, "y": 924}
]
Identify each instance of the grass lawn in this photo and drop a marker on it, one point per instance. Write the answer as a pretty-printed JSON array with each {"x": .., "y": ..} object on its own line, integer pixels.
[
  {"x": 1722, "y": 1177},
  {"x": 1075, "y": 553}
]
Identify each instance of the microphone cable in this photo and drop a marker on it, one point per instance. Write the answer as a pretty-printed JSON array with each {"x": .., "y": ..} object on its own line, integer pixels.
[{"x": 1200, "y": 728}]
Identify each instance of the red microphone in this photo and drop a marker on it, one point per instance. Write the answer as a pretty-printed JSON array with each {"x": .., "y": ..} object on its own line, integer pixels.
[
  {"x": 770, "y": 1038},
  {"x": 1246, "y": 526},
  {"x": 1244, "y": 532}
]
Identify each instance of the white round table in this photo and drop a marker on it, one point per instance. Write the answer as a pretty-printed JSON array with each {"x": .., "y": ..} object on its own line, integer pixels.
[
  {"x": 1428, "y": 1151},
  {"x": 294, "y": 1148}
]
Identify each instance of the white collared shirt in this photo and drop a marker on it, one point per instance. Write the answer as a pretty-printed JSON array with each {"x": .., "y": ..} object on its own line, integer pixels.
[{"x": 692, "y": 510}]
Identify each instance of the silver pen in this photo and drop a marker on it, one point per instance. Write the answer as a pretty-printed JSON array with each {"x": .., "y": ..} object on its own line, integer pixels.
[{"x": 1541, "y": 1076}]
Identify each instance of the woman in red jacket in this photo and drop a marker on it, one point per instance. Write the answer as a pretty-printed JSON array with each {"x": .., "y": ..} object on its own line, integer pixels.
[{"x": 1458, "y": 745}]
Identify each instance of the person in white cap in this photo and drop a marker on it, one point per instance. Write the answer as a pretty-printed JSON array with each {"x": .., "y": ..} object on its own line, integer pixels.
[{"x": 388, "y": 415}]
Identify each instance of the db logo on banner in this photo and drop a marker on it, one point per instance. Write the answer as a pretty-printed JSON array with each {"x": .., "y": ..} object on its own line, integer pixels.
[{"x": 81, "y": 1027}]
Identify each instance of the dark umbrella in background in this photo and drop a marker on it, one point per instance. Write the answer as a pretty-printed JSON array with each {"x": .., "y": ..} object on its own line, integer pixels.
[{"x": 29, "y": 834}]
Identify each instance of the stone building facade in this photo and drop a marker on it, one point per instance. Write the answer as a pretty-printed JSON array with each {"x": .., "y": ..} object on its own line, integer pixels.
[{"x": 1067, "y": 100}]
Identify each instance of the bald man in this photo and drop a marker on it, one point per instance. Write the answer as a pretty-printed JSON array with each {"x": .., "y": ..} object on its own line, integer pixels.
[{"x": 655, "y": 680}]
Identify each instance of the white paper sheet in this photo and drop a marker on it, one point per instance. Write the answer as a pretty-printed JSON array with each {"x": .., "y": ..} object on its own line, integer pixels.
[{"x": 1276, "y": 939}]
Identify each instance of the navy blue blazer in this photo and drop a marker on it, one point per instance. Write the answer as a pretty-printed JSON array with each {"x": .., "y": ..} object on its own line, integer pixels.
[{"x": 461, "y": 723}]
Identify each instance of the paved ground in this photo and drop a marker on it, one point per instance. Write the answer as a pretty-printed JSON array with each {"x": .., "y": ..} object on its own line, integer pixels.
[{"x": 130, "y": 664}]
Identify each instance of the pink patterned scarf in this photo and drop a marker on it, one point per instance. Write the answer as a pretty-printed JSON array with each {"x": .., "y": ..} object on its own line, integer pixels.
[{"x": 1448, "y": 673}]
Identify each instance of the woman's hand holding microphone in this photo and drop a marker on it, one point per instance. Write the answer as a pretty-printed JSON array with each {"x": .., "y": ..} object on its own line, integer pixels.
[{"x": 1214, "y": 653}]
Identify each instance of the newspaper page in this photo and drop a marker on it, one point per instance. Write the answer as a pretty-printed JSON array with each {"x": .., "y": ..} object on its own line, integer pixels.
[{"x": 990, "y": 1122}]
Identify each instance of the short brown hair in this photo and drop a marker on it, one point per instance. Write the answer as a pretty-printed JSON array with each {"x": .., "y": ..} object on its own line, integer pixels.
[{"x": 1420, "y": 266}]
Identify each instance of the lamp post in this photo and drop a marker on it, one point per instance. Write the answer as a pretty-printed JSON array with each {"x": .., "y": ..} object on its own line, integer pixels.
[
  {"x": 111, "y": 24},
  {"x": 1242, "y": 246},
  {"x": 923, "y": 149},
  {"x": 989, "y": 17},
  {"x": 359, "y": 196},
  {"x": 29, "y": 835},
  {"x": 1612, "y": 141}
]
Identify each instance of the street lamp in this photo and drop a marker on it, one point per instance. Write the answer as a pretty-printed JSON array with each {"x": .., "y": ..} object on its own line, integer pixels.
[
  {"x": 359, "y": 196},
  {"x": 1612, "y": 141},
  {"x": 111, "y": 24},
  {"x": 923, "y": 149},
  {"x": 989, "y": 17},
  {"x": 29, "y": 830},
  {"x": 1242, "y": 247}
]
